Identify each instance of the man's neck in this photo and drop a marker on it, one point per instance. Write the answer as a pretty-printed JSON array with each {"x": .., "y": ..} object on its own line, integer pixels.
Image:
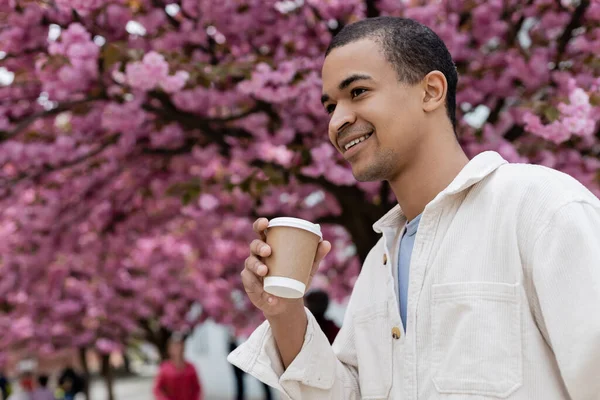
[{"x": 428, "y": 174}]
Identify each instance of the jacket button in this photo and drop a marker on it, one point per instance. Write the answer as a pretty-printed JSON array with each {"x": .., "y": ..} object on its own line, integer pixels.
[
  {"x": 384, "y": 259},
  {"x": 396, "y": 333}
]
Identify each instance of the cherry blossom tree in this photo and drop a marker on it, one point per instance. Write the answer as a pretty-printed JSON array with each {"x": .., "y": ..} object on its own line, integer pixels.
[{"x": 139, "y": 139}]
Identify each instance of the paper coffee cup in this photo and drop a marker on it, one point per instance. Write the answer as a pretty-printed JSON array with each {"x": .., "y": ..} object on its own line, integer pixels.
[{"x": 293, "y": 243}]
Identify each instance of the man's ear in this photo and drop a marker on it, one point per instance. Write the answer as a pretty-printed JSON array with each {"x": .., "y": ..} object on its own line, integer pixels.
[{"x": 435, "y": 88}]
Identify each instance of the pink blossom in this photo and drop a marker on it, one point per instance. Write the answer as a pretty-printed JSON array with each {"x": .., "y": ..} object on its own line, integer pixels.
[
  {"x": 174, "y": 83},
  {"x": 107, "y": 346},
  {"x": 137, "y": 76},
  {"x": 148, "y": 73},
  {"x": 208, "y": 202},
  {"x": 124, "y": 118},
  {"x": 80, "y": 5}
]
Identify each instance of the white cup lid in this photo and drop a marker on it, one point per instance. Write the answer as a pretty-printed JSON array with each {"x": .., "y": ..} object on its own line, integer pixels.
[
  {"x": 297, "y": 223},
  {"x": 281, "y": 286}
]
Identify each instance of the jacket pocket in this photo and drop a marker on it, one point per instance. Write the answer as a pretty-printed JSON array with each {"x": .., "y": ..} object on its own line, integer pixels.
[
  {"x": 477, "y": 339},
  {"x": 374, "y": 351}
]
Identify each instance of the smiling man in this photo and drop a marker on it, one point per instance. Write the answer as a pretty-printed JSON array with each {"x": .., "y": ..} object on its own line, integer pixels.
[{"x": 486, "y": 281}]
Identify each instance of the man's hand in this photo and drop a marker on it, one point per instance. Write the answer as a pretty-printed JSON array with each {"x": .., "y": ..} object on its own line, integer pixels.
[{"x": 255, "y": 270}]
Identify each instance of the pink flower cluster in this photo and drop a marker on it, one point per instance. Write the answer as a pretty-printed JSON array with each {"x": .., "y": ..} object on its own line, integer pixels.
[
  {"x": 326, "y": 163},
  {"x": 23, "y": 31},
  {"x": 71, "y": 67},
  {"x": 153, "y": 72},
  {"x": 577, "y": 118},
  {"x": 82, "y": 6}
]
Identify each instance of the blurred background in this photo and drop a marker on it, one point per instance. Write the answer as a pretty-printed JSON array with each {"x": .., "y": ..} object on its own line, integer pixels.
[{"x": 139, "y": 140}]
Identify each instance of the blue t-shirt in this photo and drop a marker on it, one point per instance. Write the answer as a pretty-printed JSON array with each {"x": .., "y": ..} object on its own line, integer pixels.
[{"x": 407, "y": 243}]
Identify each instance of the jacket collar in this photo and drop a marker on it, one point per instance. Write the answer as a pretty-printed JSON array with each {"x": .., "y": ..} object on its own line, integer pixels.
[{"x": 475, "y": 171}]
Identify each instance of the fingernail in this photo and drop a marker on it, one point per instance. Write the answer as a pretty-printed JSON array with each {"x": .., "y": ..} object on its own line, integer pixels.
[
  {"x": 262, "y": 269},
  {"x": 270, "y": 300}
]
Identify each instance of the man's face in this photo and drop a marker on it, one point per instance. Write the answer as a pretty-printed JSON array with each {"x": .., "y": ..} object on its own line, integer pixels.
[{"x": 375, "y": 118}]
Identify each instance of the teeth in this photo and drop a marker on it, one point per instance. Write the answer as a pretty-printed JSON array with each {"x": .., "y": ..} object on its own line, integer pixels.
[{"x": 357, "y": 141}]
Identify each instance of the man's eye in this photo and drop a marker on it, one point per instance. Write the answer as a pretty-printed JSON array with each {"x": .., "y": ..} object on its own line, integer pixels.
[
  {"x": 330, "y": 108},
  {"x": 357, "y": 92}
]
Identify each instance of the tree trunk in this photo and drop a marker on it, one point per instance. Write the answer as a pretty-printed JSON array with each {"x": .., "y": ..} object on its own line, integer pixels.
[
  {"x": 86, "y": 372},
  {"x": 107, "y": 373},
  {"x": 127, "y": 363},
  {"x": 163, "y": 343},
  {"x": 159, "y": 337}
]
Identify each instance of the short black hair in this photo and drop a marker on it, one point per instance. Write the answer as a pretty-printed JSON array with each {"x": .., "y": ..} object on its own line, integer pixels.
[
  {"x": 412, "y": 48},
  {"x": 43, "y": 380}
]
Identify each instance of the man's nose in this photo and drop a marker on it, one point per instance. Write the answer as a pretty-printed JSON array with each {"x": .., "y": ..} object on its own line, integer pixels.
[{"x": 342, "y": 117}]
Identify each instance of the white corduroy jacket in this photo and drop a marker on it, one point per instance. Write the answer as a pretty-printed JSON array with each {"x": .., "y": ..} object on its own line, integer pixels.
[{"x": 503, "y": 302}]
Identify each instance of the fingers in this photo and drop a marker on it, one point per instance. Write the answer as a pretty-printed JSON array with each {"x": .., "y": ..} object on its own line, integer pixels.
[
  {"x": 254, "y": 289},
  {"x": 323, "y": 249},
  {"x": 256, "y": 266},
  {"x": 260, "y": 226},
  {"x": 253, "y": 286},
  {"x": 260, "y": 248}
]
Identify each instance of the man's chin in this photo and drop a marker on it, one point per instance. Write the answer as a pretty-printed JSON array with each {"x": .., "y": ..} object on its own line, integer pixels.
[{"x": 365, "y": 176}]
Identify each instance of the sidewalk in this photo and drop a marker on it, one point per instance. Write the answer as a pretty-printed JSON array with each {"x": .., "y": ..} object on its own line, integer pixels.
[{"x": 140, "y": 388}]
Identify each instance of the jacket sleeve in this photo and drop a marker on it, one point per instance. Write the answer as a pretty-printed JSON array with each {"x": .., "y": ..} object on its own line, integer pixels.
[
  {"x": 320, "y": 371},
  {"x": 566, "y": 277}
]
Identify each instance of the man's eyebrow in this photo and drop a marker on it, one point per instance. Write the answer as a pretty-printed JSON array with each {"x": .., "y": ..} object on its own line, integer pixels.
[
  {"x": 353, "y": 78},
  {"x": 347, "y": 82}
]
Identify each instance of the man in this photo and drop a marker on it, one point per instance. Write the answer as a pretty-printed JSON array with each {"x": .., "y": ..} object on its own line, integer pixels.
[
  {"x": 486, "y": 281},
  {"x": 177, "y": 379}
]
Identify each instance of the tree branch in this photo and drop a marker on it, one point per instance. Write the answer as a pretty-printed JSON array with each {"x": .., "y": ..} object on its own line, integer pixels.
[
  {"x": 25, "y": 122},
  {"x": 575, "y": 22},
  {"x": 215, "y": 129},
  {"x": 172, "y": 20},
  {"x": 183, "y": 149},
  {"x": 47, "y": 168}
]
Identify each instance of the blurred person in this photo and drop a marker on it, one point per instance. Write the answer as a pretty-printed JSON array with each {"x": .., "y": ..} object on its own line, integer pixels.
[
  {"x": 240, "y": 385},
  {"x": 42, "y": 392},
  {"x": 70, "y": 382},
  {"x": 65, "y": 391},
  {"x": 317, "y": 302},
  {"x": 498, "y": 299},
  {"x": 26, "y": 384},
  {"x": 5, "y": 386},
  {"x": 177, "y": 379}
]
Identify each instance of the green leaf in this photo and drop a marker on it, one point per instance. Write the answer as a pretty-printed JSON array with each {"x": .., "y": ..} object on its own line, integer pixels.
[{"x": 551, "y": 113}]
